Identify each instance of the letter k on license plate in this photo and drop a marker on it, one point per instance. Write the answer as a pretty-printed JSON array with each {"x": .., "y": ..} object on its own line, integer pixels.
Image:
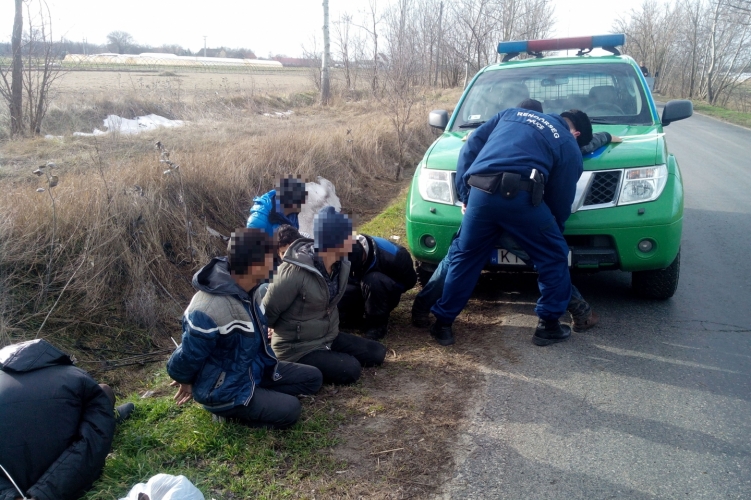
[{"x": 501, "y": 257}]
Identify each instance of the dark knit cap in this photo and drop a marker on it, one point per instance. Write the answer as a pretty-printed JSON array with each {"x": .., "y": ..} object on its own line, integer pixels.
[{"x": 330, "y": 228}]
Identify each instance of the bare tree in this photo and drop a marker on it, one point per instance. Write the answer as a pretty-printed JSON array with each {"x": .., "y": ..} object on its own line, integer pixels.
[
  {"x": 42, "y": 66},
  {"x": 119, "y": 41},
  {"x": 325, "y": 80}
]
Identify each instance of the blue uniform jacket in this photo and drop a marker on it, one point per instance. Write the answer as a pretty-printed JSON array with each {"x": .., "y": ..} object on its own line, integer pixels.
[
  {"x": 518, "y": 140},
  {"x": 266, "y": 214},
  {"x": 224, "y": 352}
]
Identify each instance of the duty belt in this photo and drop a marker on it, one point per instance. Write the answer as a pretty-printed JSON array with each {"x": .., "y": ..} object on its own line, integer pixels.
[{"x": 509, "y": 184}]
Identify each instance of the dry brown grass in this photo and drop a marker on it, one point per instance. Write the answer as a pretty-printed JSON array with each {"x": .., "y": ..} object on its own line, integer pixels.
[{"x": 120, "y": 235}]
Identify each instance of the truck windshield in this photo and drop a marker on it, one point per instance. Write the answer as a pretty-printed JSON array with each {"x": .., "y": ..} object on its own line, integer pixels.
[{"x": 609, "y": 93}]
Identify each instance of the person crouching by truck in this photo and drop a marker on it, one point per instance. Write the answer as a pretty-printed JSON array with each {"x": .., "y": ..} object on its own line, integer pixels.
[
  {"x": 381, "y": 272},
  {"x": 279, "y": 206}
]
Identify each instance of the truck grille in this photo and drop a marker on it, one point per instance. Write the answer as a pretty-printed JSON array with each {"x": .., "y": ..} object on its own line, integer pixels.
[{"x": 604, "y": 188}]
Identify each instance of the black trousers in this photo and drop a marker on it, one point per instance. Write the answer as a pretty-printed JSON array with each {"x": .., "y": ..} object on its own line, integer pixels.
[
  {"x": 375, "y": 297},
  {"x": 342, "y": 364},
  {"x": 274, "y": 404}
]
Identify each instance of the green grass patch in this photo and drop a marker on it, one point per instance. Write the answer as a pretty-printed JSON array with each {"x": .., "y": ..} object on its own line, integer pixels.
[
  {"x": 223, "y": 460},
  {"x": 390, "y": 222},
  {"x": 728, "y": 115}
]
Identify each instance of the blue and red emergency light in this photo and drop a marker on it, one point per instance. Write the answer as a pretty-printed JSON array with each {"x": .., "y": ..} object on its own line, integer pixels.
[{"x": 584, "y": 43}]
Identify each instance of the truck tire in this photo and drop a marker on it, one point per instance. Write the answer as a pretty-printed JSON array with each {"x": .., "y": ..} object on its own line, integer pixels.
[
  {"x": 660, "y": 284},
  {"x": 424, "y": 272}
]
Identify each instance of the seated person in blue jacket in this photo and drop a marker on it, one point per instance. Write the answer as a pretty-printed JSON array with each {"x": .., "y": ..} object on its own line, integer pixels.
[
  {"x": 279, "y": 206},
  {"x": 224, "y": 361},
  {"x": 582, "y": 315},
  {"x": 381, "y": 272},
  {"x": 56, "y": 424},
  {"x": 301, "y": 303}
]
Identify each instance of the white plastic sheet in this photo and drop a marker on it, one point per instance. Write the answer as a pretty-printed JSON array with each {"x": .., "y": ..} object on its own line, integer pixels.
[
  {"x": 320, "y": 194},
  {"x": 166, "y": 487}
]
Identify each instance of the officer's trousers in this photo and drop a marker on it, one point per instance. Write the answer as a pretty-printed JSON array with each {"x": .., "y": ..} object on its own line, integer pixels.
[{"x": 533, "y": 228}]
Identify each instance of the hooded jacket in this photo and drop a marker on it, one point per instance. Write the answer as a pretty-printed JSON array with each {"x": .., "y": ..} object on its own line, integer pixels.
[
  {"x": 518, "y": 140},
  {"x": 224, "y": 353},
  {"x": 266, "y": 214},
  {"x": 376, "y": 254},
  {"x": 56, "y": 424},
  {"x": 298, "y": 304}
]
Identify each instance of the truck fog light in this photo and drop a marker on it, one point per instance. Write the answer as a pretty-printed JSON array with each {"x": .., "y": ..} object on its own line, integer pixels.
[
  {"x": 428, "y": 241},
  {"x": 646, "y": 246}
]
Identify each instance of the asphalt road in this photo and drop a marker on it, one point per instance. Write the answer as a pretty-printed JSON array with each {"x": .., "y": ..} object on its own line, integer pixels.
[{"x": 656, "y": 401}]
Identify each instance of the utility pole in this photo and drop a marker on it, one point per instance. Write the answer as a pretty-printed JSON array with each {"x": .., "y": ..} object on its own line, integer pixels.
[
  {"x": 16, "y": 89},
  {"x": 438, "y": 49},
  {"x": 325, "y": 82},
  {"x": 204, "y": 45}
]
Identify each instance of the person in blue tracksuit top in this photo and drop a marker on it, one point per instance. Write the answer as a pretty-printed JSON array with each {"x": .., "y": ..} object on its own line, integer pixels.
[
  {"x": 279, "y": 206},
  {"x": 500, "y": 173}
]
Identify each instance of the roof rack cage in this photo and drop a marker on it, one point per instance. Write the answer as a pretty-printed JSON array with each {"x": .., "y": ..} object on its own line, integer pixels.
[{"x": 584, "y": 44}]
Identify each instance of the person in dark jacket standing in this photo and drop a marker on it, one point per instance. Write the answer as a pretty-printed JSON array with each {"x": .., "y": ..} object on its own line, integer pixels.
[
  {"x": 301, "y": 304},
  {"x": 279, "y": 206},
  {"x": 224, "y": 361},
  {"x": 517, "y": 173},
  {"x": 381, "y": 272},
  {"x": 56, "y": 424}
]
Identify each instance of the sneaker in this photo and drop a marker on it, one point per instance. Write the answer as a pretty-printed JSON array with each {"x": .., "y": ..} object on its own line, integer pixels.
[
  {"x": 584, "y": 322},
  {"x": 550, "y": 332},
  {"x": 123, "y": 411},
  {"x": 442, "y": 333},
  {"x": 376, "y": 332},
  {"x": 420, "y": 319},
  {"x": 217, "y": 419}
]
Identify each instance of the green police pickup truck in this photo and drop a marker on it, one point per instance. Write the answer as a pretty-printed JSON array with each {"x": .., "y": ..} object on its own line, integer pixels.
[{"x": 628, "y": 211}]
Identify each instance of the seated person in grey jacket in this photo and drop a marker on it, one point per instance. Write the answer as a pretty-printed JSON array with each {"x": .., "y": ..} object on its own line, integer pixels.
[
  {"x": 301, "y": 304},
  {"x": 56, "y": 424},
  {"x": 224, "y": 361}
]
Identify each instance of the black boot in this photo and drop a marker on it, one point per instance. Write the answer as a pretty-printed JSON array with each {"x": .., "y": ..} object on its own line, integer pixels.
[
  {"x": 420, "y": 318},
  {"x": 377, "y": 327},
  {"x": 123, "y": 411},
  {"x": 550, "y": 331},
  {"x": 442, "y": 333}
]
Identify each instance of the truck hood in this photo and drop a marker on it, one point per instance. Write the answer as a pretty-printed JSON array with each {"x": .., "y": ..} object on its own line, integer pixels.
[{"x": 642, "y": 146}]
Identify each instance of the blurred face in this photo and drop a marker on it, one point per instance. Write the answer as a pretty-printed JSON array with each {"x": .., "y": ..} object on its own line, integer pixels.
[
  {"x": 341, "y": 250},
  {"x": 257, "y": 274}
]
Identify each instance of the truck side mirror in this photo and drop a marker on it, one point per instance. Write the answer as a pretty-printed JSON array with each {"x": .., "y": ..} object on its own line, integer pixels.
[
  {"x": 438, "y": 118},
  {"x": 676, "y": 110}
]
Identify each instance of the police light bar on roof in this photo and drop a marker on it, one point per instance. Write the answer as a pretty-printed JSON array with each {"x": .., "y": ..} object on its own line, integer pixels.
[{"x": 585, "y": 44}]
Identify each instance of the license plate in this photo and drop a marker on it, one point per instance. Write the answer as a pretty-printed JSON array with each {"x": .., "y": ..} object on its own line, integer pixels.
[{"x": 503, "y": 257}]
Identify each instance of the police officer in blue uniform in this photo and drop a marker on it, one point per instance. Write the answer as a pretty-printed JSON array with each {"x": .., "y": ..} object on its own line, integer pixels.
[{"x": 517, "y": 172}]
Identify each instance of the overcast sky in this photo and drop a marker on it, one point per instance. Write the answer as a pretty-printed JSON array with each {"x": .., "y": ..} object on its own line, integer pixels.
[{"x": 279, "y": 27}]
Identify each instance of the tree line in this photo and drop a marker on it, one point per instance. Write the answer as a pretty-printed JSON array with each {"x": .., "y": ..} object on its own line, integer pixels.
[{"x": 698, "y": 49}]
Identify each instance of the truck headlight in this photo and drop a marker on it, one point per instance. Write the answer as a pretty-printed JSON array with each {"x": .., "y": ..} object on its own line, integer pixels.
[
  {"x": 435, "y": 185},
  {"x": 642, "y": 184}
]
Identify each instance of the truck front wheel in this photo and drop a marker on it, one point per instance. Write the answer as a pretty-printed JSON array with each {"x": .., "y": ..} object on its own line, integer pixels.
[{"x": 660, "y": 284}]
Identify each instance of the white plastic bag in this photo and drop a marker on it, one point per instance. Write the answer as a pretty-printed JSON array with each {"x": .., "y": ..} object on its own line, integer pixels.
[{"x": 166, "y": 487}]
